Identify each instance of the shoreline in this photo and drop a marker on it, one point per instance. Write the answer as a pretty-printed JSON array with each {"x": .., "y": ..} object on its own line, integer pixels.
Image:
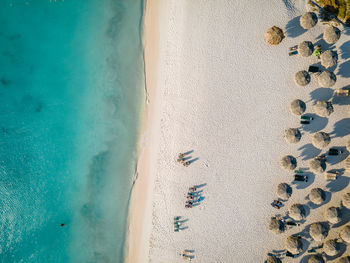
[{"x": 140, "y": 207}]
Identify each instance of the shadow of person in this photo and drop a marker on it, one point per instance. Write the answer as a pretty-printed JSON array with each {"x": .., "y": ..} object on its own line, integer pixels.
[
  {"x": 344, "y": 69},
  {"x": 293, "y": 28},
  {"x": 308, "y": 151},
  {"x": 341, "y": 128},
  {"x": 321, "y": 94}
]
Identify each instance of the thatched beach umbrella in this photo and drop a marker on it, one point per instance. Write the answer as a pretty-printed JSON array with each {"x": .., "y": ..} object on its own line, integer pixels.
[
  {"x": 345, "y": 234},
  {"x": 323, "y": 108},
  {"x": 297, "y": 107},
  {"x": 321, "y": 140},
  {"x": 333, "y": 215},
  {"x": 288, "y": 162},
  {"x": 317, "y": 196},
  {"x": 284, "y": 191},
  {"x": 343, "y": 260},
  {"x": 326, "y": 79},
  {"x": 297, "y": 212},
  {"x": 305, "y": 49},
  {"x": 308, "y": 20},
  {"x": 331, "y": 247},
  {"x": 347, "y": 163},
  {"x": 329, "y": 58},
  {"x": 348, "y": 145},
  {"x": 318, "y": 231},
  {"x": 276, "y": 225},
  {"x": 345, "y": 200},
  {"x": 273, "y": 259},
  {"x": 317, "y": 165},
  {"x": 317, "y": 258},
  {"x": 292, "y": 135},
  {"x": 294, "y": 245},
  {"x": 302, "y": 78},
  {"x": 274, "y": 35},
  {"x": 331, "y": 34}
]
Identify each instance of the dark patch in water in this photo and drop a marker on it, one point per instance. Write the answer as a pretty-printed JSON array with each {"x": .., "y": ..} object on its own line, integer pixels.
[
  {"x": 14, "y": 37},
  {"x": 31, "y": 104},
  {"x": 115, "y": 21},
  {"x": 5, "y": 82}
]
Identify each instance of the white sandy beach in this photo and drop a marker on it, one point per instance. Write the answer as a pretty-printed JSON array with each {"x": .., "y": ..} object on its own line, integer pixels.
[{"x": 215, "y": 87}]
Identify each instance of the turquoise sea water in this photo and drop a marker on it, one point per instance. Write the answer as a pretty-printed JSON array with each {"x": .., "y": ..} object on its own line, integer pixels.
[{"x": 71, "y": 94}]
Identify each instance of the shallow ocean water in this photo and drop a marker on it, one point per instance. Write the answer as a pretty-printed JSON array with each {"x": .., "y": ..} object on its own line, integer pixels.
[{"x": 71, "y": 96}]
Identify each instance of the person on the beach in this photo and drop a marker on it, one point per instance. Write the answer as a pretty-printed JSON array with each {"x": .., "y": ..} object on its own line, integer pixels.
[
  {"x": 62, "y": 225},
  {"x": 186, "y": 163},
  {"x": 318, "y": 51},
  {"x": 192, "y": 188}
]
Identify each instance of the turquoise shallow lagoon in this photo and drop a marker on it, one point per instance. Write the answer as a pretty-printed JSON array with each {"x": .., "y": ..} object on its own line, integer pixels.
[{"x": 71, "y": 96}]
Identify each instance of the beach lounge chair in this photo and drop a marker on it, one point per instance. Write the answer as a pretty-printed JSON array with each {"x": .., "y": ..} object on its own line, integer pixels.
[
  {"x": 288, "y": 254},
  {"x": 304, "y": 122},
  {"x": 342, "y": 92},
  {"x": 313, "y": 69},
  {"x": 293, "y": 48},
  {"x": 300, "y": 178},
  {"x": 294, "y": 52},
  {"x": 331, "y": 175},
  {"x": 299, "y": 171},
  {"x": 334, "y": 151},
  {"x": 305, "y": 117}
]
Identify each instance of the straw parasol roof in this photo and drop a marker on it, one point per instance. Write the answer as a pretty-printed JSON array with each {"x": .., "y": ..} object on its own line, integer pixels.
[
  {"x": 297, "y": 107},
  {"x": 346, "y": 200},
  {"x": 326, "y": 79},
  {"x": 308, "y": 20},
  {"x": 318, "y": 231},
  {"x": 284, "y": 191},
  {"x": 331, "y": 34},
  {"x": 321, "y": 140},
  {"x": 348, "y": 145},
  {"x": 329, "y": 58},
  {"x": 323, "y": 108},
  {"x": 273, "y": 259},
  {"x": 331, "y": 247},
  {"x": 274, "y": 35},
  {"x": 333, "y": 215},
  {"x": 317, "y": 258},
  {"x": 305, "y": 49},
  {"x": 347, "y": 163},
  {"x": 317, "y": 196},
  {"x": 302, "y": 78},
  {"x": 317, "y": 165},
  {"x": 288, "y": 162},
  {"x": 343, "y": 260},
  {"x": 345, "y": 234},
  {"x": 276, "y": 225},
  {"x": 297, "y": 212},
  {"x": 292, "y": 135},
  {"x": 294, "y": 245}
]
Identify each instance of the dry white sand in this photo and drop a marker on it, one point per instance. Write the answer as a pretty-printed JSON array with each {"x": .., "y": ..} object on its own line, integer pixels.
[{"x": 222, "y": 92}]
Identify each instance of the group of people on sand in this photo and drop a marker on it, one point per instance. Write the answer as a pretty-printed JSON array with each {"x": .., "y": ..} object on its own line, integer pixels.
[
  {"x": 181, "y": 159},
  {"x": 193, "y": 197}
]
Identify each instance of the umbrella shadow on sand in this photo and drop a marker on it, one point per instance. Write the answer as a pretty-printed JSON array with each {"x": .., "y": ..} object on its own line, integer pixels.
[
  {"x": 324, "y": 94},
  {"x": 338, "y": 158},
  {"x": 339, "y": 184},
  {"x": 345, "y": 50},
  {"x": 293, "y": 28},
  {"x": 341, "y": 128},
  {"x": 303, "y": 185},
  {"x": 345, "y": 217},
  {"x": 308, "y": 151},
  {"x": 344, "y": 69},
  {"x": 339, "y": 100},
  {"x": 317, "y": 124}
]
